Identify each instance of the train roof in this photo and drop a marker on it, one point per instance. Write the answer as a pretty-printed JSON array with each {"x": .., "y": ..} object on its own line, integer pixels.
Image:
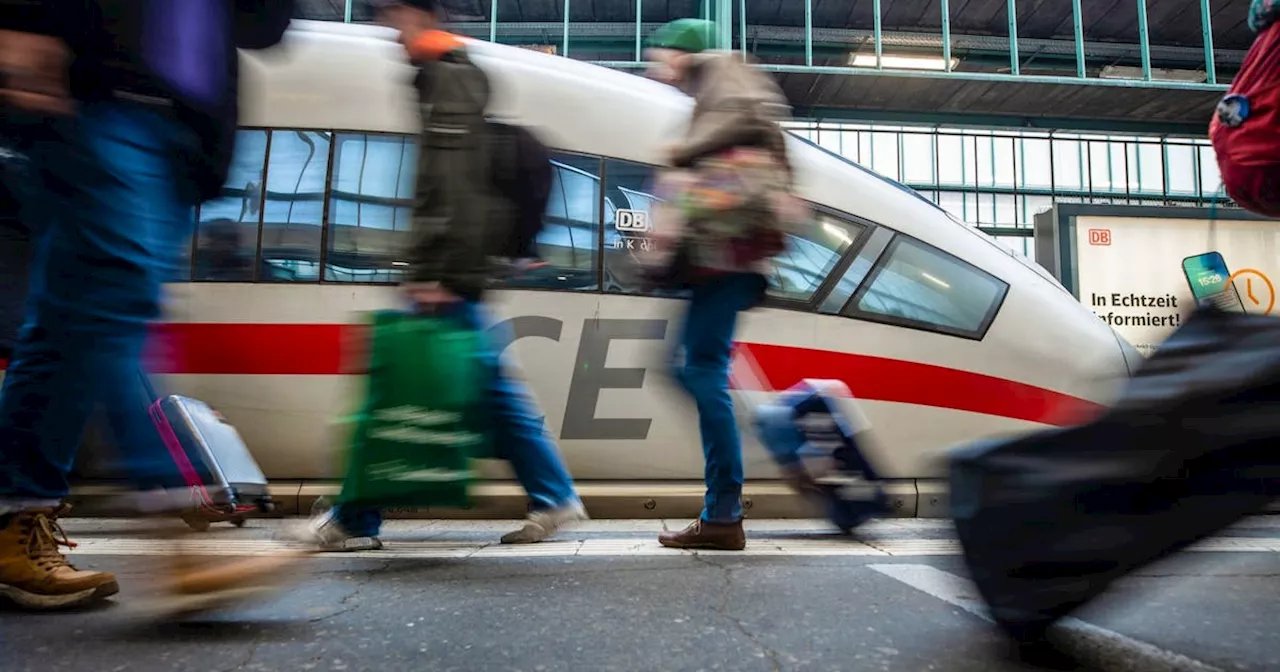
[{"x": 354, "y": 77}]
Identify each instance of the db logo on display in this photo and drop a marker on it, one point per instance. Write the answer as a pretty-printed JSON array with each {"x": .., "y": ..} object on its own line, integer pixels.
[
  {"x": 1099, "y": 236},
  {"x": 632, "y": 221}
]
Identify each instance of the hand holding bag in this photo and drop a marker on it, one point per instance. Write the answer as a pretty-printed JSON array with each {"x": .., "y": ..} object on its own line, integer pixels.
[
  {"x": 729, "y": 213},
  {"x": 423, "y": 418}
]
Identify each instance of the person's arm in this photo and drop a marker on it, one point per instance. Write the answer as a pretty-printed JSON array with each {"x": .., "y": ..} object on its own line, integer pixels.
[
  {"x": 34, "y": 55},
  {"x": 447, "y": 247},
  {"x": 733, "y": 122},
  {"x": 745, "y": 110}
]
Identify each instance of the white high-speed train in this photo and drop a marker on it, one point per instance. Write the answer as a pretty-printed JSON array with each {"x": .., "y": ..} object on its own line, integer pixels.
[{"x": 942, "y": 335}]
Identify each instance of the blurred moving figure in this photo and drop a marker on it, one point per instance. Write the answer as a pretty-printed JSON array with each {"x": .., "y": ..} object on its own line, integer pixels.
[
  {"x": 736, "y": 106},
  {"x": 138, "y": 99},
  {"x": 459, "y": 222},
  {"x": 15, "y": 246}
]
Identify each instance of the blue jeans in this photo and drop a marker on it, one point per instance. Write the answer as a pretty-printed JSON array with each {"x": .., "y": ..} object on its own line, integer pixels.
[
  {"x": 520, "y": 436},
  {"x": 112, "y": 220},
  {"x": 706, "y": 340}
]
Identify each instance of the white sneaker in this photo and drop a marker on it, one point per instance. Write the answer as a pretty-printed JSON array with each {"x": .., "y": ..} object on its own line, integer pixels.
[
  {"x": 543, "y": 524},
  {"x": 326, "y": 532}
]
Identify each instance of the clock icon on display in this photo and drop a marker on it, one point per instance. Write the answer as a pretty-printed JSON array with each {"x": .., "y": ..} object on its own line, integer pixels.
[{"x": 1260, "y": 294}]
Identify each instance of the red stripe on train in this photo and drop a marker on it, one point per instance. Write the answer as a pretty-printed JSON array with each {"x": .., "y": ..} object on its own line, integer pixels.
[{"x": 322, "y": 349}]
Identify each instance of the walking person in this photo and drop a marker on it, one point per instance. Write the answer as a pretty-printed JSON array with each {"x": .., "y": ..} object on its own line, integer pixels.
[
  {"x": 137, "y": 102},
  {"x": 458, "y": 220},
  {"x": 735, "y": 107}
]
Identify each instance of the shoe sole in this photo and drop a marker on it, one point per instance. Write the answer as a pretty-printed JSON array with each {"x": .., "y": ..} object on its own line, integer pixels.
[
  {"x": 514, "y": 538},
  {"x": 34, "y": 602},
  {"x": 701, "y": 547}
]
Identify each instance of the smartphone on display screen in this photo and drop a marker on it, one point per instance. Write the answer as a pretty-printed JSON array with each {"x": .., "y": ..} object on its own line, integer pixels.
[{"x": 1211, "y": 282}]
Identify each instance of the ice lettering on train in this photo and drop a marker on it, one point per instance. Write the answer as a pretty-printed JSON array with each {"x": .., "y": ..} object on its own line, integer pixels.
[{"x": 590, "y": 375}]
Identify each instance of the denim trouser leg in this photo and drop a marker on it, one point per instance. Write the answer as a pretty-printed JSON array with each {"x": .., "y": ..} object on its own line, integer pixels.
[
  {"x": 520, "y": 436},
  {"x": 114, "y": 227},
  {"x": 707, "y": 343}
]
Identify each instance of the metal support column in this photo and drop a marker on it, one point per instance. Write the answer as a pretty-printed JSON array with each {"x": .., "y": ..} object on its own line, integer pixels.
[
  {"x": 639, "y": 37},
  {"x": 346, "y": 14},
  {"x": 946, "y": 34},
  {"x": 808, "y": 33},
  {"x": 879, "y": 34},
  {"x": 566, "y": 27},
  {"x": 1144, "y": 40},
  {"x": 1206, "y": 29},
  {"x": 724, "y": 24},
  {"x": 493, "y": 20},
  {"x": 1013, "y": 36},
  {"x": 742, "y": 27},
  {"x": 1077, "y": 20}
]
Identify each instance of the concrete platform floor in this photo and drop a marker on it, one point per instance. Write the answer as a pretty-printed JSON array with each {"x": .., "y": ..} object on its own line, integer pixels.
[{"x": 444, "y": 596}]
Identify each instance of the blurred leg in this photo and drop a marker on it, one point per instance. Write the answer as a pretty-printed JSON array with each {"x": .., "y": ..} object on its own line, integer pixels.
[{"x": 703, "y": 371}]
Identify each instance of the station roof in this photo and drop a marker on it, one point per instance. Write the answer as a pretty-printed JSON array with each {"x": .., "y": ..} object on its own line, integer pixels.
[{"x": 604, "y": 30}]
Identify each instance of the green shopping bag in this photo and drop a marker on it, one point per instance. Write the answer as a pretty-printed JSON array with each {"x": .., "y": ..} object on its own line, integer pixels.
[{"x": 423, "y": 419}]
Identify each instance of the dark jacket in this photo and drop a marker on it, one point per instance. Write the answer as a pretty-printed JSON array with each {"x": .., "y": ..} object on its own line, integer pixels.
[
  {"x": 456, "y": 210},
  {"x": 142, "y": 50}
]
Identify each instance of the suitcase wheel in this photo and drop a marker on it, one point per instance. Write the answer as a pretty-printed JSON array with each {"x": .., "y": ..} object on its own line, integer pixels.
[{"x": 238, "y": 521}]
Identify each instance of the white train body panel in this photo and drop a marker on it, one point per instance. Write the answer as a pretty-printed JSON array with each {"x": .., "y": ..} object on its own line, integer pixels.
[{"x": 1041, "y": 342}]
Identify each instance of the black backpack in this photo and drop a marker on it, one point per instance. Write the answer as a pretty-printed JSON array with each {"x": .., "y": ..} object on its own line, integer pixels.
[{"x": 522, "y": 175}]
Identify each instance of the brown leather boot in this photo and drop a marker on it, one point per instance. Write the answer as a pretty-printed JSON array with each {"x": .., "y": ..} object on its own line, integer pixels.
[
  {"x": 705, "y": 535},
  {"x": 34, "y": 574}
]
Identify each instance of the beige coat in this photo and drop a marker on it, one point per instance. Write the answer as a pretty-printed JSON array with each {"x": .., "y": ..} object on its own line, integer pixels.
[{"x": 734, "y": 104}]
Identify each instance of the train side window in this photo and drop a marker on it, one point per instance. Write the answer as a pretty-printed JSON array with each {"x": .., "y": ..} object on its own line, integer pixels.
[
  {"x": 801, "y": 269},
  {"x": 628, "y": 204},
  {"x": 795, "y": 275},
  {"x": 569, "y": 241},
  {"x": 370, "y": 207},
  {"x": 856, "y": 272},
  {"x": 227, "y": 230},
  {"x": 293, "y": 214},
  {"x": 917, "y": 285}
]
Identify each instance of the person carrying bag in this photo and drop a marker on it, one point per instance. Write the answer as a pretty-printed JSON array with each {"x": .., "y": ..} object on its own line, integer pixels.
[
  {"x": 435, "y": 369},
  {"x": 723, "y": 216}
]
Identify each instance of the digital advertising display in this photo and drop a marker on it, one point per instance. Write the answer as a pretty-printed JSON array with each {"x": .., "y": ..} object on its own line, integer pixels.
[{"x": 1143, "y": 270}]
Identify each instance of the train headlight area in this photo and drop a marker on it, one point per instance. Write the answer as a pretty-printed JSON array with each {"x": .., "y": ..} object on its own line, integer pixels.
[{"x": 443, "y": 595}]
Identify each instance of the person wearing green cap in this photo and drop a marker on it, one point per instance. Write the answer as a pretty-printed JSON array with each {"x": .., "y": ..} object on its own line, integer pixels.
[{"x": 736, "y": 106}]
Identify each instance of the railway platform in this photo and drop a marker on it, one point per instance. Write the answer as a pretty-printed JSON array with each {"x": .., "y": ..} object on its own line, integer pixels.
[{"x": 443, "y": 595}]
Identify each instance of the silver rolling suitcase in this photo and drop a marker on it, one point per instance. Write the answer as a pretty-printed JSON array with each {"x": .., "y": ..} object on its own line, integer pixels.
[{"x": 226, "y": 483}]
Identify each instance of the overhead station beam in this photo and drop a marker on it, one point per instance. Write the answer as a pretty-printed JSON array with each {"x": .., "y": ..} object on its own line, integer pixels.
[{"x": 832, "y": 41}]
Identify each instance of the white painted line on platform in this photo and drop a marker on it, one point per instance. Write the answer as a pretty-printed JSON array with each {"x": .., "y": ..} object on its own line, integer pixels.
[
  {"x": 229, "y": 545},
  {"x": 1102, "y": 648}
]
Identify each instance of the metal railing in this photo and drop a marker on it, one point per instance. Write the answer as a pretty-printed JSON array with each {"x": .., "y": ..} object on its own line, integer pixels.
[{"x": 985, "y": 58}]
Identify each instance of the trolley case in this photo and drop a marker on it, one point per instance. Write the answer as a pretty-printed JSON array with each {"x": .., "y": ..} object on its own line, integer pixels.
[
  {"x": 806, "y": 427},
  {"x": 225, "y": 480},
  {"x": 1049, "y": 520}
]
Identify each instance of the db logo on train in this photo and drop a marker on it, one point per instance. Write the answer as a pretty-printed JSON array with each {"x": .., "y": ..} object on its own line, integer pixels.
[{"x": 1099, "y": 236}]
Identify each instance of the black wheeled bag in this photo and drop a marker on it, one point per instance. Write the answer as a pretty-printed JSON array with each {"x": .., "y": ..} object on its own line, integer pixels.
[{"x": 1049, "y": 520}]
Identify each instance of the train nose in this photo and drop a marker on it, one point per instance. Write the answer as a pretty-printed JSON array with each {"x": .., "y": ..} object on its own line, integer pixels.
[{"x": 1132, "y": 358}]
